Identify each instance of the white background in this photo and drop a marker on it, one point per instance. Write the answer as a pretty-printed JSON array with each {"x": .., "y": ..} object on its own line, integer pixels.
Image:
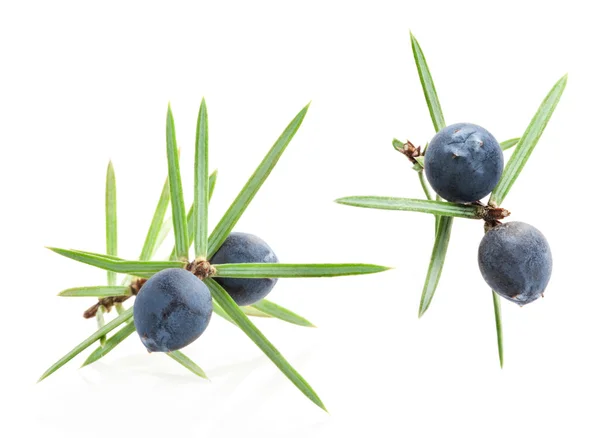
[{"x": 82, "y": 84}]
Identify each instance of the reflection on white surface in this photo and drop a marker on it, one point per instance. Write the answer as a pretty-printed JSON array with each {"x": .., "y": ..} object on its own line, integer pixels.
[{"x": 153, "y": 388}]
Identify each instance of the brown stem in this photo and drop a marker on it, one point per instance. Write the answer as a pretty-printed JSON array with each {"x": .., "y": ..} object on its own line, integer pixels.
[
  {"x": 108, "y": 302},
  {"x": 409, "y": 150},
  {"x": 492, "y": 214},
  {"x": 490, "y": 224},
  {"x": 201, "y": 268}
]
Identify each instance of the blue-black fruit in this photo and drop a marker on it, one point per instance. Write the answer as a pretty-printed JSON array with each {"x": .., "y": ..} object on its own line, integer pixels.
[
  {"x": 515, "y": 261},
  {"x": 245, "y": 248},
  {"x": 171, "y": 310},
  {"x": 463, "y": 163}
]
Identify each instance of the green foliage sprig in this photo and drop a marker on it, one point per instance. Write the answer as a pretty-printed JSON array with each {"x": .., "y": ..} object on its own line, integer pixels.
[
  {"x": 445, "y": 211},
  {"x": 192, "y": 228}
]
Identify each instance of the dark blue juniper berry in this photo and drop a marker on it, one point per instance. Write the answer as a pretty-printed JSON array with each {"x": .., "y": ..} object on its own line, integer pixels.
[
  {"x": 245, "y": 248},
  {"x": 515, "y": 261},
  {"x": 463, "y": 163},
  {"x": 171, "y": 310}
]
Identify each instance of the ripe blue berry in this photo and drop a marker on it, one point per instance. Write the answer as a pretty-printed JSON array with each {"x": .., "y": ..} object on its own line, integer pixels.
[
  {"x": 515, "y": 261},
  {"x": 245, "y": 248},
  {"x": 463, "y": 163},
  {"x": 171, "y": 310}
]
